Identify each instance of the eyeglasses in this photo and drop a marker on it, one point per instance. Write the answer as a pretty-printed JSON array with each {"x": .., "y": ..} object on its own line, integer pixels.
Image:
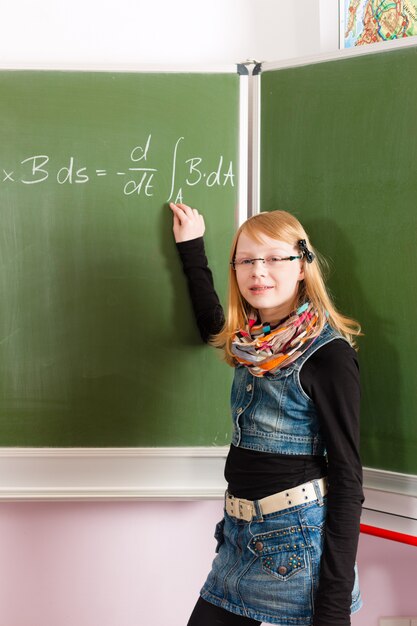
[{"x": 270, "y": 262}]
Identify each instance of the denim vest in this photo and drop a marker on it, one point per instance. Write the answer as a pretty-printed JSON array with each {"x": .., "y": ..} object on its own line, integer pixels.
[{"x": 273, "y": 413}]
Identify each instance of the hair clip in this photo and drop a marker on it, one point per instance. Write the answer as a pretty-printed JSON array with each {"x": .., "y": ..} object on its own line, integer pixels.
[{"x": 309, "y": 256}]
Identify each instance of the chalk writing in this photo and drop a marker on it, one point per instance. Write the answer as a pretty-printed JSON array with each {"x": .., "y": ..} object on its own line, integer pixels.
[{"x": 141, "y": 178}]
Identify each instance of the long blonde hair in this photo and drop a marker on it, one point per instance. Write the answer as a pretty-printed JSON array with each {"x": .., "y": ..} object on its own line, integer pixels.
[{"x": 282, "y": 226}]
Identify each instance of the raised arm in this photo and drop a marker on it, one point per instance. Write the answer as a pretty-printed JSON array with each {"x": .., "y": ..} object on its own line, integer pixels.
[{"x": 189, "y": 228}]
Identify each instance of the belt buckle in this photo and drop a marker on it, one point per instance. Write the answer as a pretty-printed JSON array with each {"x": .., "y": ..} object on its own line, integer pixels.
[
  {"x": 240, "y": 509},
  {"x": 245, "y": 510}
]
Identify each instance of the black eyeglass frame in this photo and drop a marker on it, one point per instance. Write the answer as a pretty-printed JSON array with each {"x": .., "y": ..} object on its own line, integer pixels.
[{"x": 252, "y": 261}]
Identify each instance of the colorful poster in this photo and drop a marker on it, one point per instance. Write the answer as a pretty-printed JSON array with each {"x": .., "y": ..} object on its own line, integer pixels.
[{"x": 370, "y": 21}]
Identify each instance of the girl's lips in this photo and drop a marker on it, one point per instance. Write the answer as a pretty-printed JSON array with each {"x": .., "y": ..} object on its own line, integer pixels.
[{"x": 259, "y": 289}]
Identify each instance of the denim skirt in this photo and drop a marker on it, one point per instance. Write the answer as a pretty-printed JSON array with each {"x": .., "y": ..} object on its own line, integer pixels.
[{"x": 268, "y": 569}]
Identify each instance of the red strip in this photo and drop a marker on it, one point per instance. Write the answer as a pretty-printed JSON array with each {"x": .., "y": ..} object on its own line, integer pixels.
[{"x": 389, "y": 534}]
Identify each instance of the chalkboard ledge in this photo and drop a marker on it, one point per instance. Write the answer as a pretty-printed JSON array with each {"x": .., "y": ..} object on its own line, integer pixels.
[
  {"x": 112, "y": 473},
  {"x": 390, "y": 501},
  {"x": 183, "y": 473}
]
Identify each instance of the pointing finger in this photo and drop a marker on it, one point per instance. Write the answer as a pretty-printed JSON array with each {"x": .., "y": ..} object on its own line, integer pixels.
[
  {"x": 178, "y": 212},
  {"x": 187, "y": 209}
]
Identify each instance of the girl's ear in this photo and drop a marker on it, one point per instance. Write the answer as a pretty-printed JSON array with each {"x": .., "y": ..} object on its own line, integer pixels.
[{"x": 301, "y": 275}]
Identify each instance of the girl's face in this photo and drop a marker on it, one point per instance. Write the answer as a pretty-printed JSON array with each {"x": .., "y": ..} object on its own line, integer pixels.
[{"x": 271, "y": 290}]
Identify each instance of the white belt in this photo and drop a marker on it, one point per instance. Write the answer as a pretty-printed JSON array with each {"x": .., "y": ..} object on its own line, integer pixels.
[{"x": 302, "y": 494}]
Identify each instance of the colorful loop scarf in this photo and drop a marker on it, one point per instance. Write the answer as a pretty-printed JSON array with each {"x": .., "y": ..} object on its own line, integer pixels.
[{"x": 264, "y": 349}]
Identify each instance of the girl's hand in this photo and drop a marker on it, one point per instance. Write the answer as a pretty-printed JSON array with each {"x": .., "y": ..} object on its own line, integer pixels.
[{"x": 188, "y": 223}]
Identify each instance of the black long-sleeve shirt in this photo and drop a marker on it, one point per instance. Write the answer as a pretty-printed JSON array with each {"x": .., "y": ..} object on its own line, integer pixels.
[{"x": 330, "y": 377}]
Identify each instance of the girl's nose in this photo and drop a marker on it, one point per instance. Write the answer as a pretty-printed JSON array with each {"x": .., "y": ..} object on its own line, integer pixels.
[{"x": 258, "y": 267}]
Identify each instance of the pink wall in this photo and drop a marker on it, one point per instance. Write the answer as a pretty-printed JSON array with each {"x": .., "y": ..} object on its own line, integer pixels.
[
  {"x": 134, "y": 563},
  {"x": 387, "y": 571}
]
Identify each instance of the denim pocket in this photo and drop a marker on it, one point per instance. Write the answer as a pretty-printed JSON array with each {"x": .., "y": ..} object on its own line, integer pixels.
[
  {"x": 219, "y": 534},
  {"x": 282, "y": 552}
]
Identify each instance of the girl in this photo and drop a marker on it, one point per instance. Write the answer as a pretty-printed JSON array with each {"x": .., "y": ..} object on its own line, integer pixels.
[{"x": 287, "y": 544}]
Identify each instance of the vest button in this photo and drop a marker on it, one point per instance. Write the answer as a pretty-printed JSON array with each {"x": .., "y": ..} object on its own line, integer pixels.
[
  {"x": 249, "y": 387},
  {"x": 282, "y": 570},
  {"x": 259, "y": 546}
]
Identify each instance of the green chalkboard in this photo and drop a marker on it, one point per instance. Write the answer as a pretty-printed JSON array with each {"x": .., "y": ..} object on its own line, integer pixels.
[
  {"x": 98, "y": 346},
  {"x": 339, "y": 149}
]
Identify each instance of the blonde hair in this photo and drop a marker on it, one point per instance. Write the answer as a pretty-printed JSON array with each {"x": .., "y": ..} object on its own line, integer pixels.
[{"x": 282, "y": 226}]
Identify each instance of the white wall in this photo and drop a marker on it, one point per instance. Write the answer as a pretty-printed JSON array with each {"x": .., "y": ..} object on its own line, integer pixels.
[{"x": 164, "y": 32}]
